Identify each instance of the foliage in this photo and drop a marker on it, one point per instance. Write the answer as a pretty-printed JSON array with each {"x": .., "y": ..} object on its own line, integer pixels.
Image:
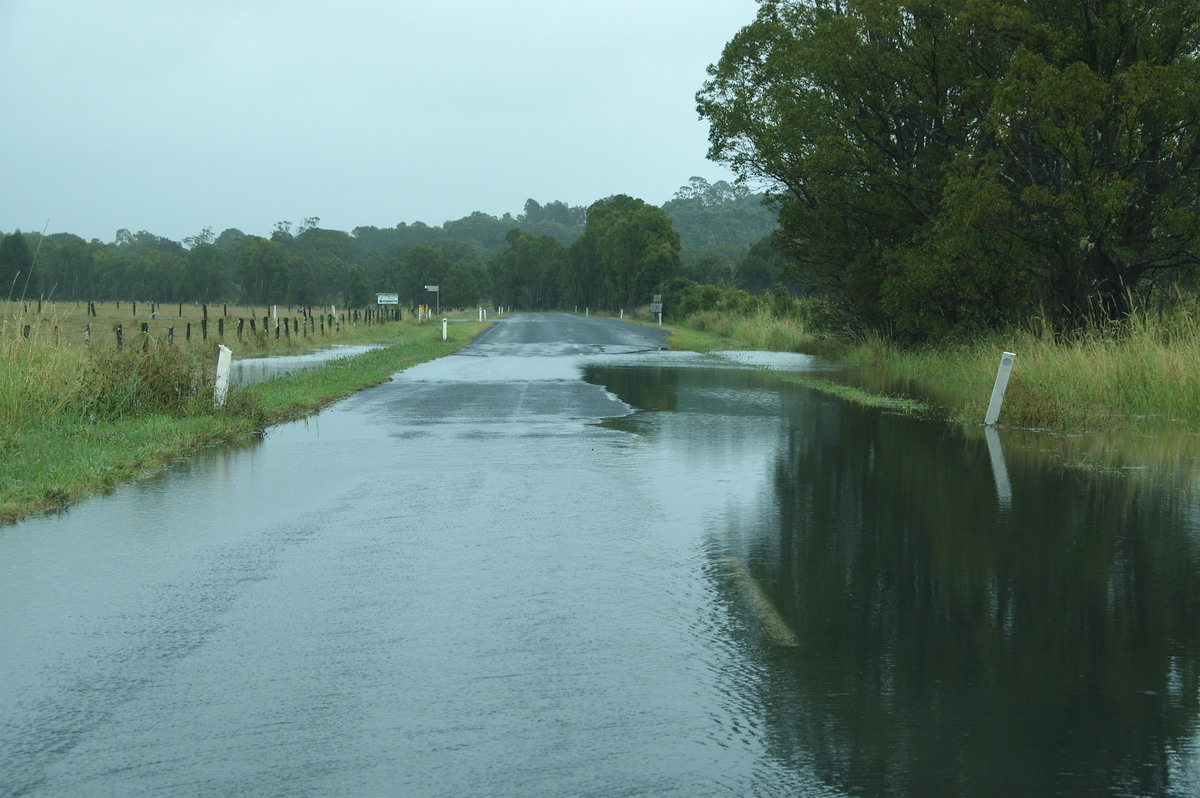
[
  {"x": 16, "y": 261},
  {"x": 474, "y": 259},
  {"x": 140, "y": 380},
  {"x": 529, "y": 272},
  {"x": 139, "y": 409},
  {"x": 948, "y": 165},
  {"x": 718, "y": 214},
  {"x": 627, "y": 248}
]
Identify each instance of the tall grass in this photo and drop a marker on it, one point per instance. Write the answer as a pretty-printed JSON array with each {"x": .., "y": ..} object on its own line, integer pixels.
[
  {"x": 36, "y": 380},
  {"x": 759, "y": 329},
  {"x": 1143, "y": 369},
  {"x": 1137, "y": 372},
  {"x": 75, "y": 420}
]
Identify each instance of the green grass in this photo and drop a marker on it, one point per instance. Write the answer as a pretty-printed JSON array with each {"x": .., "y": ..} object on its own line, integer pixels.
[
  {"x": 1141, "y": 373},
  {"x": 55, "y": 450}
]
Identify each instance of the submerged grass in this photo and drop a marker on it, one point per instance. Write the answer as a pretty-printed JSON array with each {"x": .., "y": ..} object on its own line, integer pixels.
[
  {"x": 75, "y": 422},
  {"x": 1142, "y": 372}
]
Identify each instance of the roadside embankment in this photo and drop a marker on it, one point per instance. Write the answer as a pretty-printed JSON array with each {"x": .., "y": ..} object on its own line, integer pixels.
[
  {"x": 75, "y": 421},
  {"x": 1143, "y": 372}
]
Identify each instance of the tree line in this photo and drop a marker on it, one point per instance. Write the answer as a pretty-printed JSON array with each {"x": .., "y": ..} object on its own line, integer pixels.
[
  {"x": 941, "y": 166},
  {"x": 612, "y": 254}
]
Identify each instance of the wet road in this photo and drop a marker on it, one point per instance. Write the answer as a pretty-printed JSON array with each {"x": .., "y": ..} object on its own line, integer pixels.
[
  {"x": 564, "y": 562},
  {"x": 453, "y": 584}
]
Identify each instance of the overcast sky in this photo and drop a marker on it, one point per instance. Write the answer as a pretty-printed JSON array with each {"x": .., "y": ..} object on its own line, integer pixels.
[{"x": 175, "y": 116}]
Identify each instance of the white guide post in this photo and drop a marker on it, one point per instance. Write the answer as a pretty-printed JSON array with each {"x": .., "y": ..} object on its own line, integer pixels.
[
  {"x": 221, "y": 388},
  {"x": 443, "y": 329},
  {"x": 1002, "y": 375}
]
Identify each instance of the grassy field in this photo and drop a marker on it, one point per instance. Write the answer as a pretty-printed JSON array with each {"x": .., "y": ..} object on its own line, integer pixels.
[
  {"x": 75, "y": 419},
  {"x": 72, "y": 324}
]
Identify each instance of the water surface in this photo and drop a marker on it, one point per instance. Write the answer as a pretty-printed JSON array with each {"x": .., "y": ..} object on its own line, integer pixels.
[{"x": 598, "y": 571}]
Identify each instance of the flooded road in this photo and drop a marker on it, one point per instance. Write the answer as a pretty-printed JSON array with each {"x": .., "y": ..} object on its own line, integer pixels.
[{"x": 563, "y": 562}]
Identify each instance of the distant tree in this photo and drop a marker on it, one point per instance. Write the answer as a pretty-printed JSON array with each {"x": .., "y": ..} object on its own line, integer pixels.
[
  {"x": 301, "y": 282},
  {"x": 282, "y": 233},
  {"x": 16, "y": 262},
  {"x": 459, "y": 287},
  {"x": 764, "y": 267},
  {"x": 69, "y": 268},
  {"x": 479, "y": 229},
  {"x": 230, "y": 242},
  {"x": 391, "y": 242},
  {"x": 261, "y": 268},
  {"x": 527, "y": 273},
  {"x": 409, "y": 273},
  {"x": 205, "y": 236},
  {"x": 628, "y": 247},
  {"x": 205, "y": 275},
  {"x": 357, "y": 292}
]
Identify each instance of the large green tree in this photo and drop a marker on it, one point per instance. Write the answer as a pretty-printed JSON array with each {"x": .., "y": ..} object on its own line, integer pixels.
[
  {"x": 942, "y": 164},
  {"x": 528, "y": 272},
  {"x": 627, "y": 248}
]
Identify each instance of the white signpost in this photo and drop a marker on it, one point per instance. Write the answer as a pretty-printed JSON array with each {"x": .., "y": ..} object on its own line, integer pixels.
[
  {"x": 656, "y": 307},
  {"x": 387, "y": 299},
  {"x": 437, "y": 289},
  {"x": 224, "y": 365},
  {"x": 1002, "y": 375}
]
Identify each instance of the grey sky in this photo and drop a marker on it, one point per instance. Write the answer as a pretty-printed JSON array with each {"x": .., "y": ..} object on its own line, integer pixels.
[{"x": 175, "y": 116}]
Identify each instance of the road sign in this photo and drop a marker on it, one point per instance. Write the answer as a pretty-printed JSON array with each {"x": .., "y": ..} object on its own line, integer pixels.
[
  {"x": 387, "y": 299},
  {"x": 656, "y": 307},
  {"x": 432, "y": 288}
]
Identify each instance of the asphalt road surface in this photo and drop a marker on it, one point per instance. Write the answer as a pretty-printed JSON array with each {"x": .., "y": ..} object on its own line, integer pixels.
[{"x": 456, "y": 583}]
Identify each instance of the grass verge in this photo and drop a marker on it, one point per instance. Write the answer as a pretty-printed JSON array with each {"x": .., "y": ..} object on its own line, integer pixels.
[
  {"x": 53, "y": 452},
  {"x": 1142, "y": 373}
]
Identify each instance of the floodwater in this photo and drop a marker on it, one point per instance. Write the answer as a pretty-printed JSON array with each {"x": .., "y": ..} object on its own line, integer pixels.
[
  {"x": 532, "y": 570},
  {"x": 244, "y": 371}
]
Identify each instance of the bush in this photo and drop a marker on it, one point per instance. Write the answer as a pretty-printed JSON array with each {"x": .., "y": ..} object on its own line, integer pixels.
[{"x": 159, "y": 378}]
